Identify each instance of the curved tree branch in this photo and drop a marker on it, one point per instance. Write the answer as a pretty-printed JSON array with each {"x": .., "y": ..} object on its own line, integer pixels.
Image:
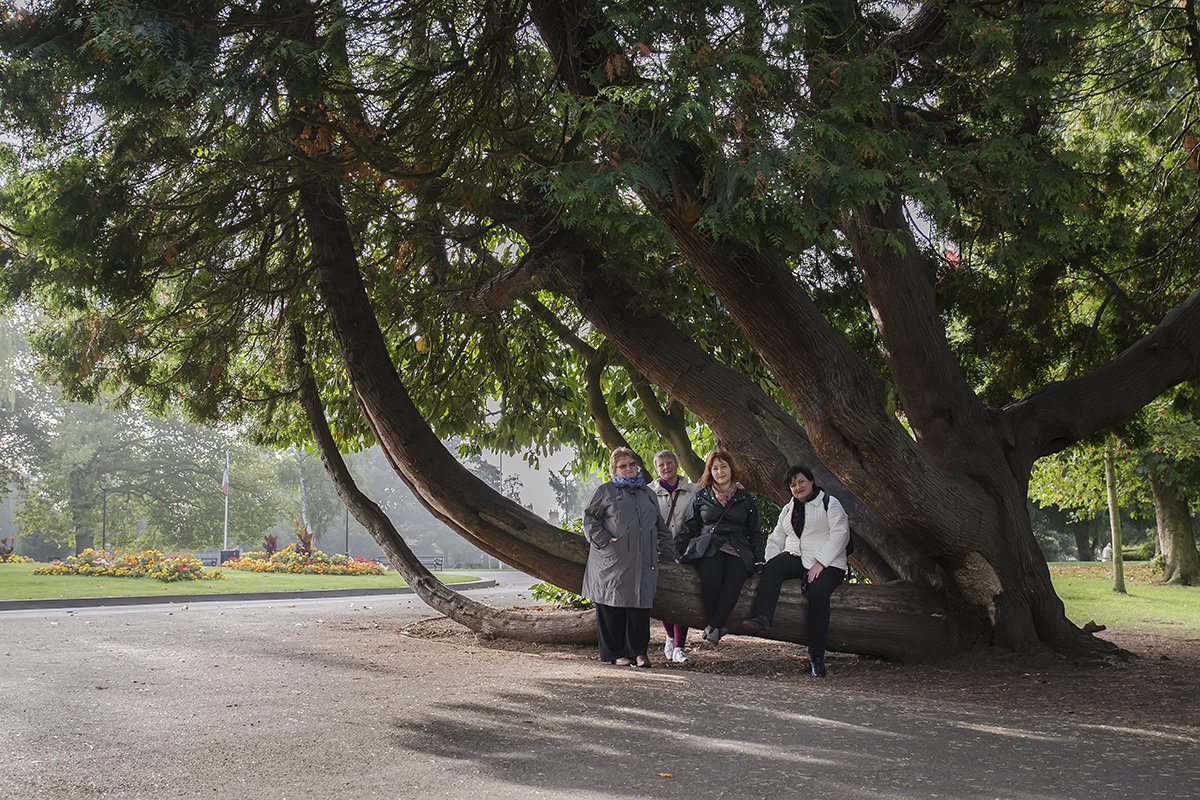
[
  {"x": 920, "y": 30},
  {"x": 1059, "y": 414},
  {"x": 573, "y": 628},
  {"x": 500, "y": 290},
  {"x": 598, "y": 404},
  {"x": 669, "y": 424}
]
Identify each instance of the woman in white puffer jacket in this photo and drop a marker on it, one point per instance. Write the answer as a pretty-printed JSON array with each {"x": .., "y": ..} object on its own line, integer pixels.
[{"x": 809, "y": 543}]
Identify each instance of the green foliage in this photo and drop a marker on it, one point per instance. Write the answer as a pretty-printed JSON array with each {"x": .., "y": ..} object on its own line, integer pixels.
[
  {"x": 1163, "y": 441},
  {"x": 548, "y": 593},
  {"x": 1141, "y": 552},
  {"x": 788, "y": 122},
  {"x": 1056, "y": 542},
  {"x": 141, "y": 480}
]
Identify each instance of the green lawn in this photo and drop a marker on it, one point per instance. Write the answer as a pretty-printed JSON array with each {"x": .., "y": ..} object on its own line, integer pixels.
[
  {"x": 17, "y": 582},
  {"x": 1085, "y": 588},
  {"x": 1147, "y": 607}
]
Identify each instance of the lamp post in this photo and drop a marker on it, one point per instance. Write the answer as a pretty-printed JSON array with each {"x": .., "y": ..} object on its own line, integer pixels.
[{"x": 104, "y": 518}]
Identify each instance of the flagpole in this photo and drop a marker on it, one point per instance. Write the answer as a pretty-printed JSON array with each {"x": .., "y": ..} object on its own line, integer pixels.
[{"x": 225, "y": 490}]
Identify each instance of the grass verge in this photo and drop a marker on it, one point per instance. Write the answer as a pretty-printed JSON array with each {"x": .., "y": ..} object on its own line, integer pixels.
[
  {"x": 1146, "y": 607},
  {"x": 17, "y": 582}
]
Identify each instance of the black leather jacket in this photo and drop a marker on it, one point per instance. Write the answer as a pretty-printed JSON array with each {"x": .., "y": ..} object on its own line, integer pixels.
[{"x": 738, "y": 524}]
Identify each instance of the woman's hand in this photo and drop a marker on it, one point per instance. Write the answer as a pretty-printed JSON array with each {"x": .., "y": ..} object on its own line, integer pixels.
[{"x": 814, "y": 571}]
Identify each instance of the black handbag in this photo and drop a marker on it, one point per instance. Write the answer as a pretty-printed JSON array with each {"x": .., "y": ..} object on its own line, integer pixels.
[{"x": 697, "y": 547}]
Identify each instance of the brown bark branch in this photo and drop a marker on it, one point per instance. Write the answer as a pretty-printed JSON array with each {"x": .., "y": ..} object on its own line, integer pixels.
[
  {"x": 500, "y": 290},
  {"x": 598, "y": 404},
  {"x": 1059, "y": 414},
  {"x": 465, "y": 503},
  {"x": 945, "y": 414},
  {"x": 577, "y": 628},
  {"x": 670, "y": 426},
  {"x": 919, "y": 32}
]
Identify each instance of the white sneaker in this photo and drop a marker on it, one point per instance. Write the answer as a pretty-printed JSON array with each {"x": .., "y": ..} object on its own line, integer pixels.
[
  {"x": 677, "y": 656},
  {"x": 668, "y": 648}
]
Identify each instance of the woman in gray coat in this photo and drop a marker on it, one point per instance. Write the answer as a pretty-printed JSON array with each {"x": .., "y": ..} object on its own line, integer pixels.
[{"x": 626, "y": 534}]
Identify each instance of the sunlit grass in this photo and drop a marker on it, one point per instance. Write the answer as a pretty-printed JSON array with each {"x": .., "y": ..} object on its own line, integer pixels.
[
  {"x": 17, "y": 582},
  {"x": 1146, "y": 607}
]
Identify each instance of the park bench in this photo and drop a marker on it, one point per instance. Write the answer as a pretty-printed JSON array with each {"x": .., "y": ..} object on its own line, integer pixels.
[{"x": 432, "y": 562}]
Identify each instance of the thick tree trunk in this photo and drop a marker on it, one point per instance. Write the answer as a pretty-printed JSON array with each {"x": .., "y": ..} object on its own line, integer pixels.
[
  {"x": 1084, "y": 549},
  {"x": 765, "y": 437},
  {"x": 1176, "y": 536}
]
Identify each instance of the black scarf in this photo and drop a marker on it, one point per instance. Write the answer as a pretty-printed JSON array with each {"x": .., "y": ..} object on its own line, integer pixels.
[{"x": 798, "y": 511}]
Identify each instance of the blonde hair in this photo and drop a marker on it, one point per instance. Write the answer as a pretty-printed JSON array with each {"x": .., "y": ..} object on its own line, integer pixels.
[{"x": 619, "y": 453}]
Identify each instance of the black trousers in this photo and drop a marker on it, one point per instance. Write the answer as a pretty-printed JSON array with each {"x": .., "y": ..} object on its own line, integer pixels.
[
  {"x": 622, "y": 632},
  {"x": 721, "y": 579},
  {"x": 786, "y": 566}
]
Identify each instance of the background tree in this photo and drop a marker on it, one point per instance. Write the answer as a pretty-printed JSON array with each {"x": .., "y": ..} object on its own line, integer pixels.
[
  {"x": 155, "y": 482},
  {"x": 850, "y": 234},
  {"x": 1155, "y": 469},
  {"x": 572, "y": 493}
]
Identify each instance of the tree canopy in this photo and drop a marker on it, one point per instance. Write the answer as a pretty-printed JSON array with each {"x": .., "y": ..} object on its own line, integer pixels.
[{"x": 918, "y": 245}]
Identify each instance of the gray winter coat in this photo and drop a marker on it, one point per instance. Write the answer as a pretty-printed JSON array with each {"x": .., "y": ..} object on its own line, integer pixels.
[{"x": 624, "y": 573}]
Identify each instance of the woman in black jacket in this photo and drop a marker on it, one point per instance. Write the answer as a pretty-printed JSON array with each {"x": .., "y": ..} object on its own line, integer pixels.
[{"x": 724, "y": 509}]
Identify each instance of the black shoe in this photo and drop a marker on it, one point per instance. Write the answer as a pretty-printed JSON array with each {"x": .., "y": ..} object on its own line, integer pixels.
[
  {"x": 818, "y": 666},
  {"x": 643, "y": 662},
  {"x": 759, "y": 623}
]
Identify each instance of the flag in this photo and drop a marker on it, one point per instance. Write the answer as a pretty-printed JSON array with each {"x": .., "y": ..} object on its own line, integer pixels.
[{"x": 225, "y": 478}]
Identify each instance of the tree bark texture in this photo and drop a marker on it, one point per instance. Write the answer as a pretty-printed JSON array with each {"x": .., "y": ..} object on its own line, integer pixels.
[{"x": 1176, "y": 536}]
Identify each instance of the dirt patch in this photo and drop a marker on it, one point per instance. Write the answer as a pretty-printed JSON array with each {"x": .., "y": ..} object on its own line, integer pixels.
[{"x": 1153, "y": 688}]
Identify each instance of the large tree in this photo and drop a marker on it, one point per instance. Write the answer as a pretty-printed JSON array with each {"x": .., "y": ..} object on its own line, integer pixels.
[{"x": 854, "y": 234}]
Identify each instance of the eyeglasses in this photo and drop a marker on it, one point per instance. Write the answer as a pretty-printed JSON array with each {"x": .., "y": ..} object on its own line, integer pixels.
[{"x": 627, "y": 465}]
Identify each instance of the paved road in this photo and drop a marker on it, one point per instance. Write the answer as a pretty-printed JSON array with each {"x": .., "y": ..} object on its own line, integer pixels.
[{"x": 314, "y": 699}]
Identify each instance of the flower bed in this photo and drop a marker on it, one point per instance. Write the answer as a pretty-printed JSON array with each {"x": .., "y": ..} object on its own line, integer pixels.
[
  {"x": 289, "y": 559},
  {"x": 145, "y": 564},
  {"x": 13, "y": 558}
]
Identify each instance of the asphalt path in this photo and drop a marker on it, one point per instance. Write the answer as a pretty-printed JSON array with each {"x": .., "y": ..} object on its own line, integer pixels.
[{"x": 308, "y": 699}]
